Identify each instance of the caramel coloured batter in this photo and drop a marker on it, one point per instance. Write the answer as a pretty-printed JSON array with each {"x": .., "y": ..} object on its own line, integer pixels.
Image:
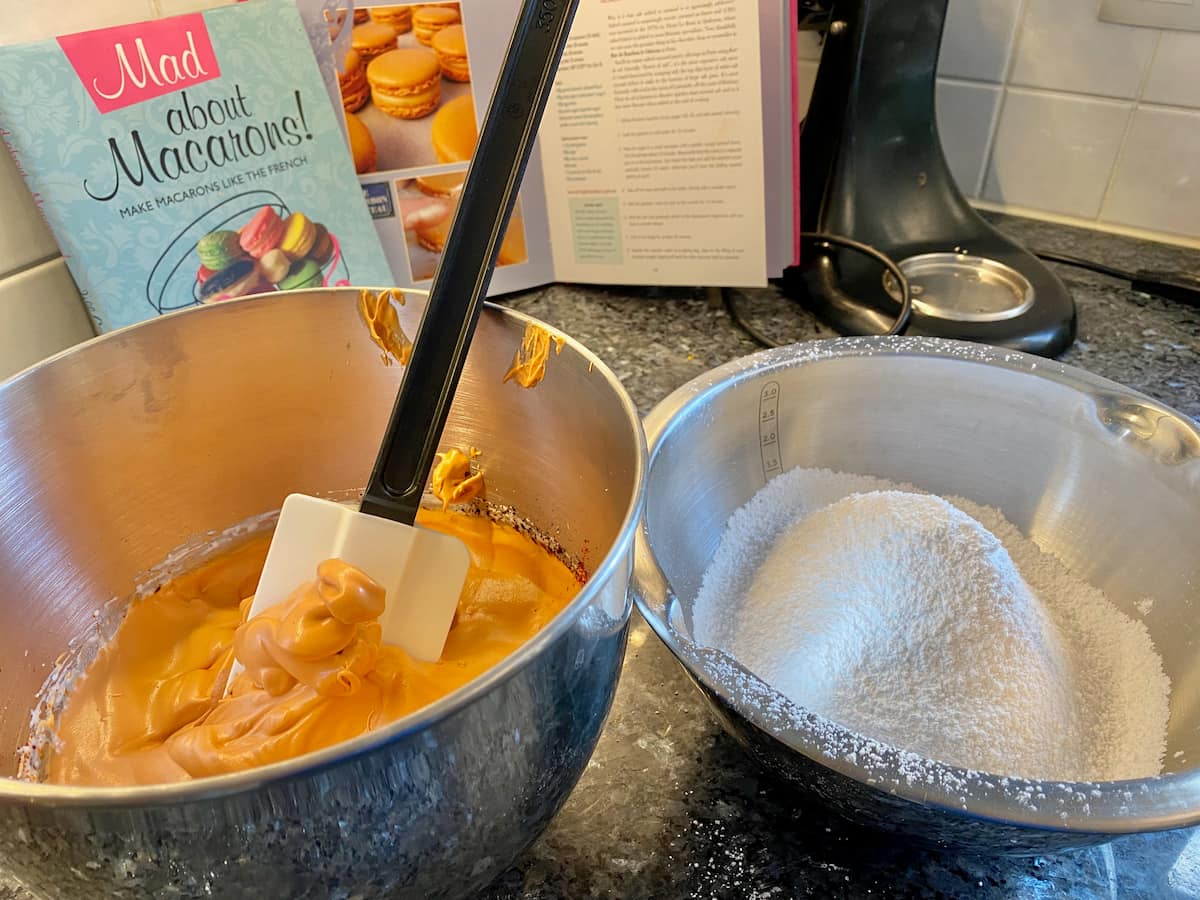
[
  {"x": 452, "y": 480},
  {"x": 383, "y": 323},
  {"x": 150, "y": 707},
  {"x": 529, "y": 363}
]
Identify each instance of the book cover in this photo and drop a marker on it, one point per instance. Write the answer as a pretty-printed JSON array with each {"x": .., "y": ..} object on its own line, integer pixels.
[{"x": 188, "y": 160}]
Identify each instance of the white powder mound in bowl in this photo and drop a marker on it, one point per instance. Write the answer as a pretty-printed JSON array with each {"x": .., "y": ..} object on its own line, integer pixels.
[{"x": 934, "y": 626}]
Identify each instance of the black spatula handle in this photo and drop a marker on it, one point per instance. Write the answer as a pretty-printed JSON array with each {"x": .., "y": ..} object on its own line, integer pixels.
[{"x": 461, "y": 280}]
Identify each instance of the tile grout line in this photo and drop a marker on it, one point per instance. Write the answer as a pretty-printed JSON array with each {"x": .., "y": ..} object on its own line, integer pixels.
[
  {"x": 1167, "y": 107},
  {"x": 1121, "y": 148},
  {"x": 1072, "y": 95},
  {"x": 1173, "y": 238},
  {"x": 994, "y": 125},
  {"x": 26, "y": 267},
  {"x": 1066, "y": 95}
]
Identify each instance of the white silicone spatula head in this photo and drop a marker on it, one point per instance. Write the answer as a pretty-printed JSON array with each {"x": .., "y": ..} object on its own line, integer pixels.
[
  {"x": 420, "y": 570},
  {"x": 423, "y": 571}
]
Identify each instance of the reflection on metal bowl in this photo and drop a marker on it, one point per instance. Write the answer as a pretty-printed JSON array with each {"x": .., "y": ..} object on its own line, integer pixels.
[
  {"x": 121, "y": 450},
  {"x": 1103, "y": 477}
]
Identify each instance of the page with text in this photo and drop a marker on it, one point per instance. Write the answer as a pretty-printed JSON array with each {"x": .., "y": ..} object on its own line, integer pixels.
[{"x": 653, "y": 145}]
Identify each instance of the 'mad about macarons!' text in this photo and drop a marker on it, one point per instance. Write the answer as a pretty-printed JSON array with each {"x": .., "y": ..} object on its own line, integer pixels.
[{"x": 215, "y": 133}]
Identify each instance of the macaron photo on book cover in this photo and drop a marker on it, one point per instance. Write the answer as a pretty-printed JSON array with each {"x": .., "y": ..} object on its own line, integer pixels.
[{"x": 188, "y": 160}]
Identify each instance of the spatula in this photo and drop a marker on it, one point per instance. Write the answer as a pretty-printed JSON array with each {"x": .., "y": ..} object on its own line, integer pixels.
[{"x": 422, "y": 570}]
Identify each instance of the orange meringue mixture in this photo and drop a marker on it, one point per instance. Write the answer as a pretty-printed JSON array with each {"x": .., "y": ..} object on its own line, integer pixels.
[
  {"x": 452, "y": 479},
  {"x": 149, "y": 709}
]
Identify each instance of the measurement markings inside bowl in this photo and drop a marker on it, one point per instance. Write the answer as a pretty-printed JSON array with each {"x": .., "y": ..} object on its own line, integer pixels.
[{"x": 768, "y": 430}]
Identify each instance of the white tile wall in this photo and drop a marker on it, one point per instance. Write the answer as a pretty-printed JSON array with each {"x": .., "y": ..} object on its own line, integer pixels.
[
  {"x": 978, "y": 38},
  {"x": 49, "y": 18},
  {"x": 806, "y": 76},
  {"x": 1042, "y": 107},
  {"x": 40, "y": 314},
  {"x": 1175, "y": 74},
  {"x": 972, "y": 108},
  {"x": 24, "y": 237},
  {"x": 1055, "y": 151},
  {"x": 1062, "y": 46},
  {"x": 1157, "y": 180}
]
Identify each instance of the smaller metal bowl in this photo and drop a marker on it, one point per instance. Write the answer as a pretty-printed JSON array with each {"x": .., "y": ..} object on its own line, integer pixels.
[{"x": 1103, "y": 477}]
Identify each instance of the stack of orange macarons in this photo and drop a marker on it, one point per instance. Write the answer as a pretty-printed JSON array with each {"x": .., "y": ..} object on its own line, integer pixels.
[
  {"x": 441, "y": 184},
  {"x": 353, "y": 82},
  {"x": 362, "y": 145},
  {"x": 454, "y": 131},
  {"x": 450, "y": 45},
  {"x": 372, "y": 39},
  {"x": 399, "y": 17},
  {"x": 512, "y": 248},
  {"x": 429, "y": 20},
  {"x": 406, "y": 83}
]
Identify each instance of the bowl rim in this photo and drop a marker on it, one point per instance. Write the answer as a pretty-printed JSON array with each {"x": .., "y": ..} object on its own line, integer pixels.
[
  {"x": 29, "y": 793},
  {"x": 1154, "y": 803}
]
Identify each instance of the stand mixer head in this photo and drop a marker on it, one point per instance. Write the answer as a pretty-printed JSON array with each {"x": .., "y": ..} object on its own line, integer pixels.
[{"x": 872, "y": 169}]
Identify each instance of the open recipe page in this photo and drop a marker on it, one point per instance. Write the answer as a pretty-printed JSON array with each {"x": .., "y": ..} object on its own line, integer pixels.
[
  {"x": 664, "y": 156},
  {"x": 655, "y": 125}
]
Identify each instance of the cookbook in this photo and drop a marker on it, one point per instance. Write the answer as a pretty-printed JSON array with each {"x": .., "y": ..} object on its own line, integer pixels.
[
  {"x": 275, "y": 144},
  {"x": 666, "y": 155},
  {"x": 188, "y": 160}
]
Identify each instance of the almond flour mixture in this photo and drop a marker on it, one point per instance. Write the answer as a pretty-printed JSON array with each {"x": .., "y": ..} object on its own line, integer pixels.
[{"x": 935, "y": 626}]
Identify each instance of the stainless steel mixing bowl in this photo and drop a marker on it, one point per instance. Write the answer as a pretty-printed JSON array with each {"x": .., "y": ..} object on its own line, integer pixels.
[
  {"x": 1102, "y": 476},
  {"x": 117, "y": 452}
]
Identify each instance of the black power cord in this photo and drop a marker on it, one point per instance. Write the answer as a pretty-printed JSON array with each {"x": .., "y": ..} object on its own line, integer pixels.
[
  {"x": 824, "y": 241},
  {"x": 1181, "y": 287}
]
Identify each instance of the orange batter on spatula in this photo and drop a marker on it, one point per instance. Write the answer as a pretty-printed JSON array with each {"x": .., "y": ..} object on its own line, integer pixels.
[{"x": 150, "y": 708}]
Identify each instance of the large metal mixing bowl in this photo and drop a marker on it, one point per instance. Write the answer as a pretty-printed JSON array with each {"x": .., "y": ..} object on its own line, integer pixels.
[
  {"x": 1104, "y": 477},
  {"x": 117, "y": 452}
]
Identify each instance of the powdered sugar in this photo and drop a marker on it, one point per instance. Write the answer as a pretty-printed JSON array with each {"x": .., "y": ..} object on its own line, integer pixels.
[{"x": 934, "y": 626}]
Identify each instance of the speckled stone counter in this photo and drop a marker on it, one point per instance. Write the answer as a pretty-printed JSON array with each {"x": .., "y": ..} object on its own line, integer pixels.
[{"x": 669, "y": 806}]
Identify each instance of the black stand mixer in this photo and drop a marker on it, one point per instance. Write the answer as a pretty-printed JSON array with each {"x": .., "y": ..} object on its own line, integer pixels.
[{"x": 872, "y": 170}]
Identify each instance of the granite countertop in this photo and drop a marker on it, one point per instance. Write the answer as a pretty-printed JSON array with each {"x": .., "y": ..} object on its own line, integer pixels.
[{"x": 670, "y": 806}]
